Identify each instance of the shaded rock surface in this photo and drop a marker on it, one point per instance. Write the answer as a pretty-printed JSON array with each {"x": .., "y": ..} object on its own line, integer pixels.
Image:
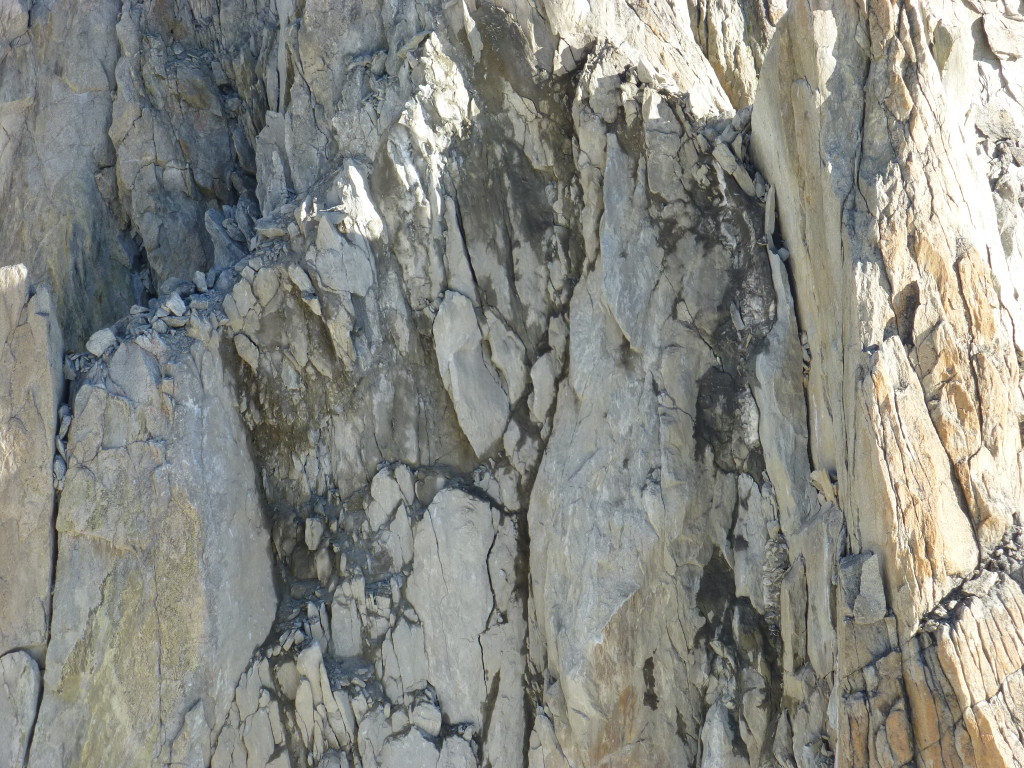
[{"x": 532, "y": 383}]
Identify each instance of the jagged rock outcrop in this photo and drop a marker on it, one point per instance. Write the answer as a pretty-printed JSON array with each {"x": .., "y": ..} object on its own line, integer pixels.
[{"x": 523, "y": 383}]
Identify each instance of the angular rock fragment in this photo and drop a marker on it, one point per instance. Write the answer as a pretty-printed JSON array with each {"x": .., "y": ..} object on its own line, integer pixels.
[{"x": 100, "y": 342}]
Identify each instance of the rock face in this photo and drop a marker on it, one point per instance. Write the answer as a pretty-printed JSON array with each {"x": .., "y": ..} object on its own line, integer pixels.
[
  {"x": 533, "y": 383},
  {"x": 22, "y": 686},
  {"x": 164, "y": 583},
  {"x": 30, "y": 392}
]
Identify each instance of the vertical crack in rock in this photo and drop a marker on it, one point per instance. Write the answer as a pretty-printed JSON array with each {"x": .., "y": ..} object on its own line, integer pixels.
[
  {"x": 63, "y": 426},
  {"x": 30, "y": 391}
]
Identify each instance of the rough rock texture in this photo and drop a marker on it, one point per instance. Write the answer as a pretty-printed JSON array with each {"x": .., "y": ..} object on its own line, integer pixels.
[{"x": 523, "y": 383}]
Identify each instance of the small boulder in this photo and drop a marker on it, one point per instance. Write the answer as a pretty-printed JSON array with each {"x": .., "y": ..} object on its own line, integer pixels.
[{"x": 100, "y": 342}]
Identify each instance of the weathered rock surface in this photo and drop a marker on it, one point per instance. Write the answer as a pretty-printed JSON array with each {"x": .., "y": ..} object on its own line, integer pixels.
[{"x": 529, "y": 383}]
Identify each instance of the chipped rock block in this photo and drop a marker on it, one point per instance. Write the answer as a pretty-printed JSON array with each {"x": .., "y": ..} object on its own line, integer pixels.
[
  {"x": 325, "y": 717},
  {"x": 164, "y": 585},
  {"x": 751, "y": 562},
  {"x": 314, "y": 532},
  {"x": 896, "y": 423},
  {"x": 426, "y": 716},
  {"x": 241, "y": 306},
  {"x": 247, "y": 351},
  {"x": 30, "y": 392},
  {"x": 175, "y": 305},
  {"x": 542, "y": 376},
  {"x": 406, "y": 667},
  {"x": 387, "y": 495},
  {"x": 631, "y": 257},
  {"x": 346, "y": 629},
  {"x": 507, "y": 354},
  {"x": 343, "y": 260},
  {"x": 717, "y": 739},
  {"x": 861, "y": 580},
  {"x": 271, "y": 185}
]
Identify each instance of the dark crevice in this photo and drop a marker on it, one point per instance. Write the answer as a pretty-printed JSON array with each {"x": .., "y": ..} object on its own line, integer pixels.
[
  {"x": 650, "y": 697},
  {"x": 904, "y": 305}
]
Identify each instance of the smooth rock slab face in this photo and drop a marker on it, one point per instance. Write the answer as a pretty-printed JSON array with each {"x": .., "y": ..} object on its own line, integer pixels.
[
  {"x": 480, "y": 401},
  {"x": 164, "y": 583},
  {"x": 30, "y": 389},
  {"x": 20, "y": 685},
  {"x": 648, "y": 493},
  {"x": 57, "y": 204},
  {"x": 451, "y": 591}
]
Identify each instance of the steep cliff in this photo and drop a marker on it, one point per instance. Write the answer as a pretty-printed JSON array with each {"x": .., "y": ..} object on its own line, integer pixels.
[{"x": 520, "y": 383}]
